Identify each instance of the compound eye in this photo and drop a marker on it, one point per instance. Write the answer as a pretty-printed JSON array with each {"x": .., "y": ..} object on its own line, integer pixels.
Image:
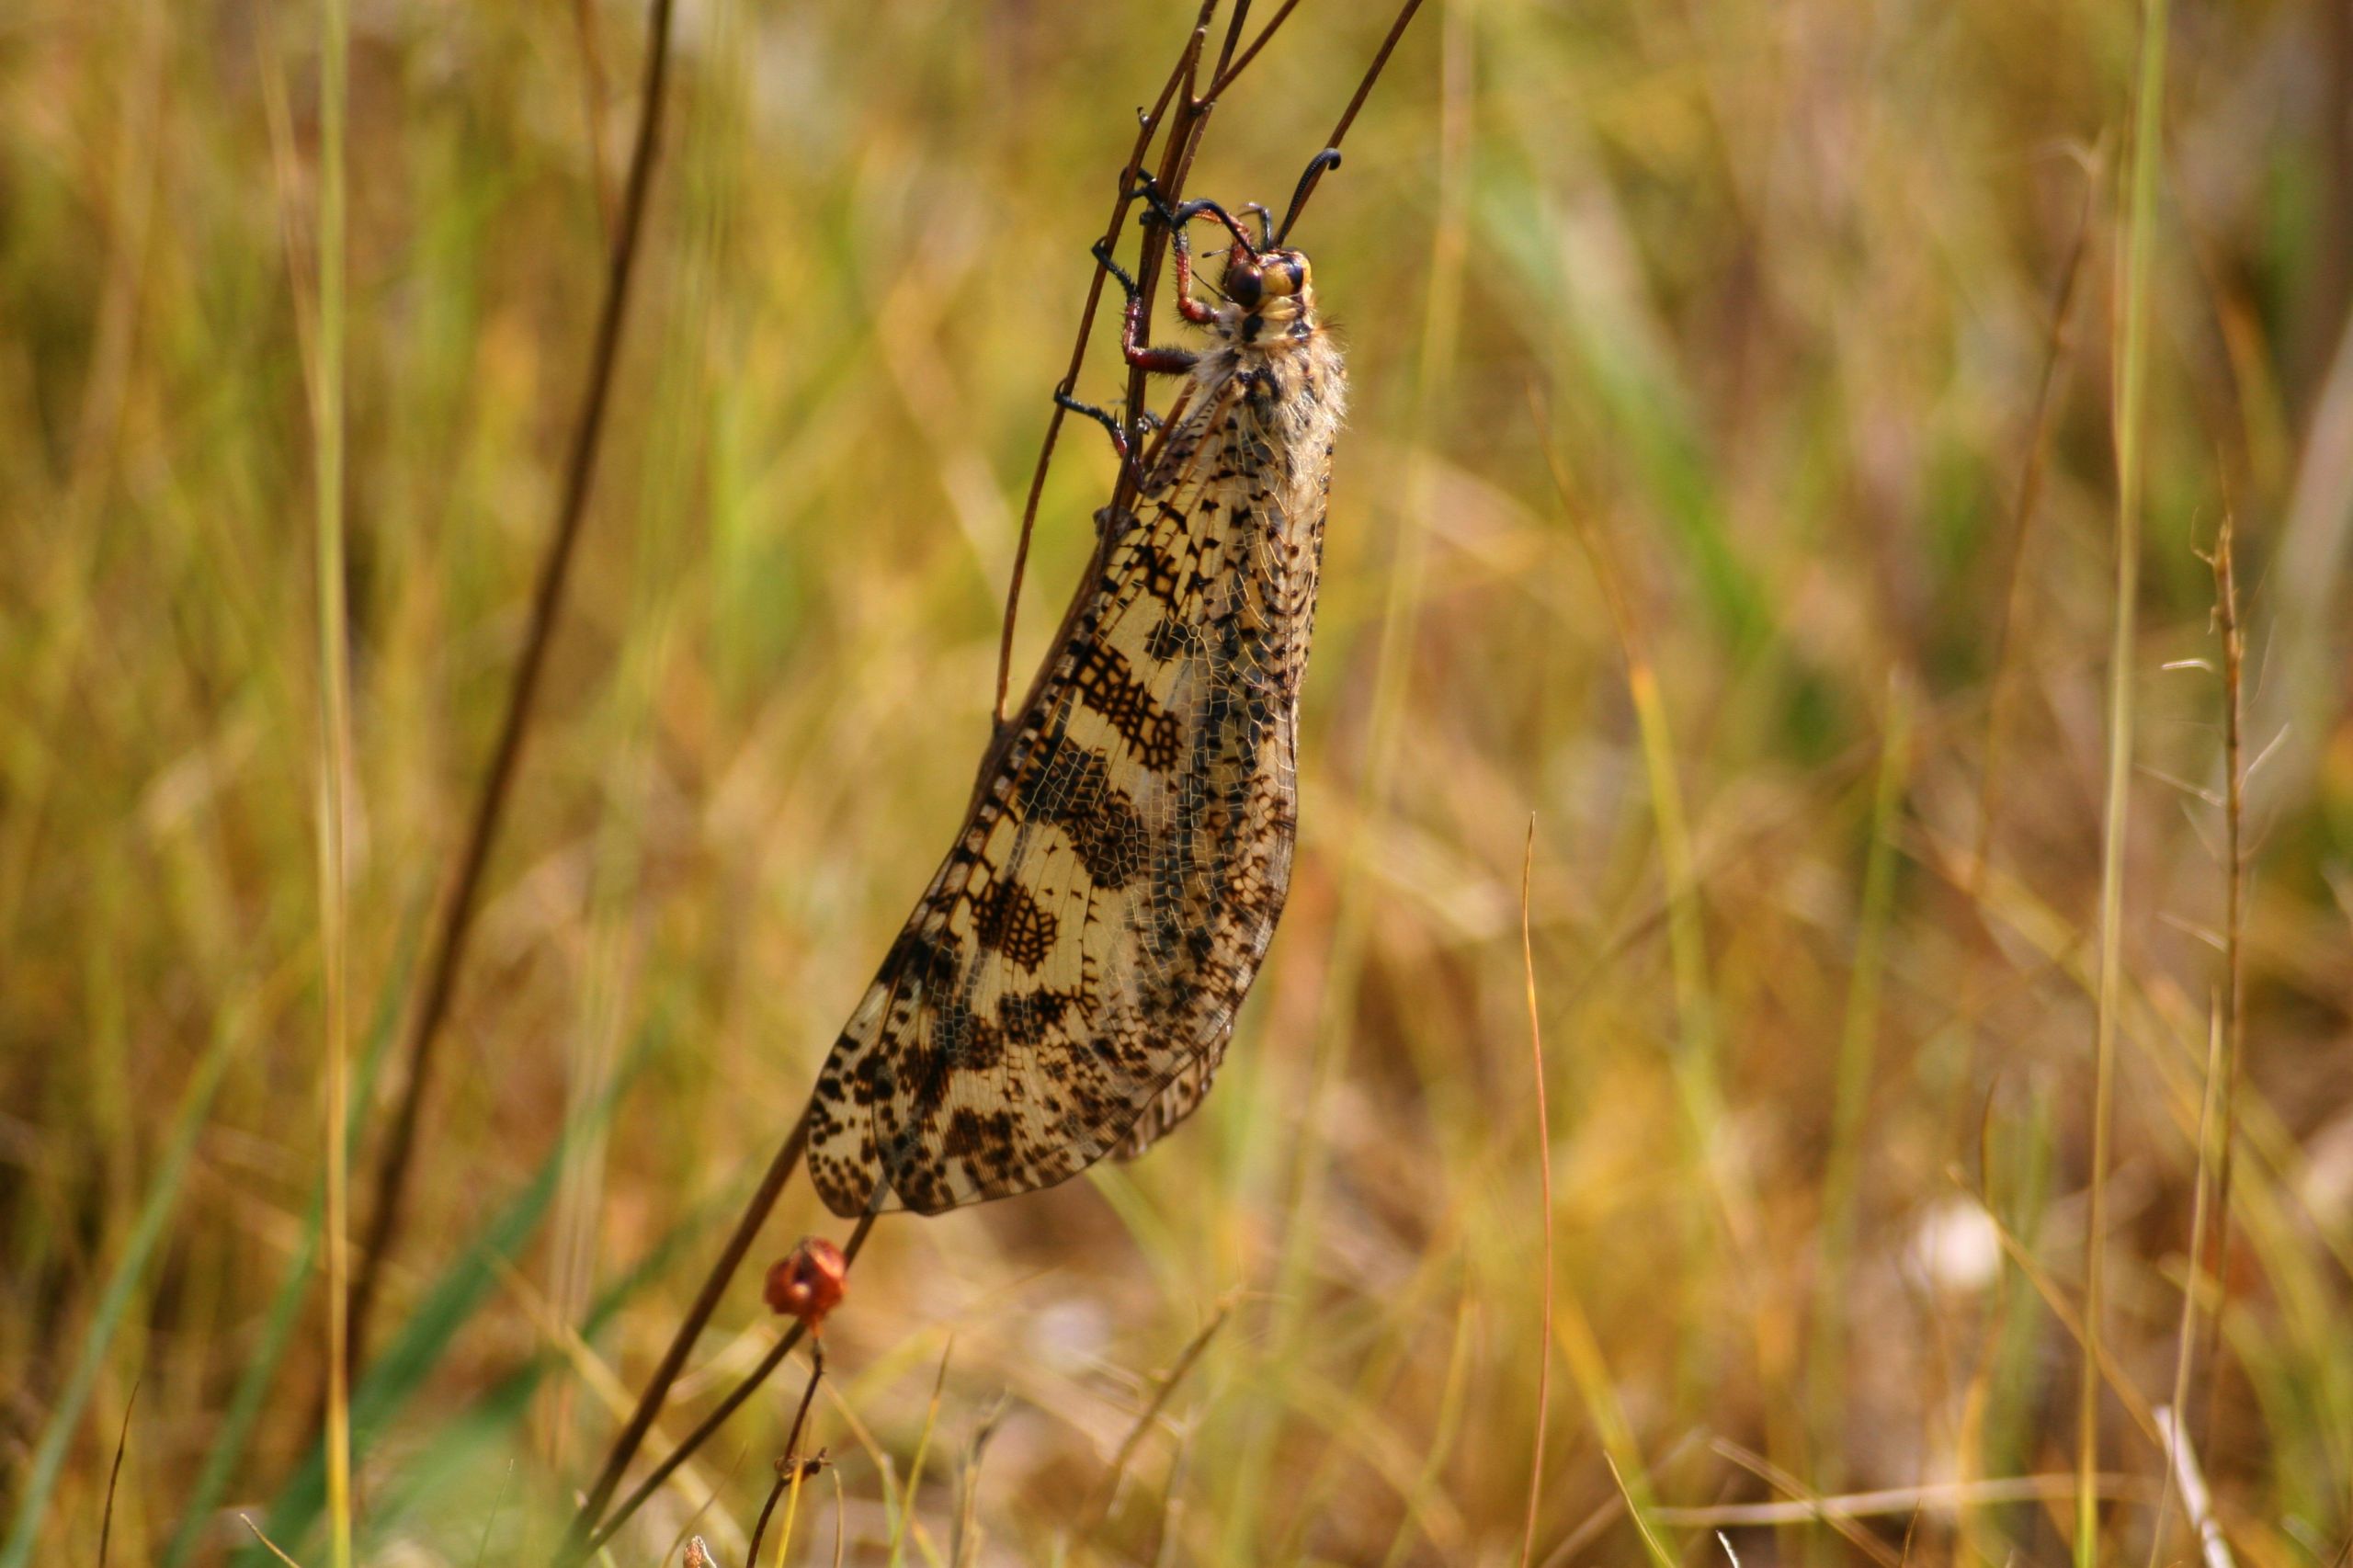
[
  {"x": 1243, "y": 285},
  {"x": 1285, "y": 272}
]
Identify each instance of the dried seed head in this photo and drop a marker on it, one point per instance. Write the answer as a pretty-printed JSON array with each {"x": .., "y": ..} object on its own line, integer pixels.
[{"x": 809, "y": 1282}]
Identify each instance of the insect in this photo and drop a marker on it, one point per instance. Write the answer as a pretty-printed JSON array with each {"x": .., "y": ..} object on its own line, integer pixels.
[{"x": 1067, "y": 983}]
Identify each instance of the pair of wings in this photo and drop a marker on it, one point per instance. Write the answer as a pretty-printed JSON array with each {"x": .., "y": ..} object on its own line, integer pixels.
[{"x": 1066, "y": 986}]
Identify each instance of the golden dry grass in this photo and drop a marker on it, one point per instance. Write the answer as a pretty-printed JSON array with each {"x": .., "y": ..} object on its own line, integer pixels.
[{"x": 1703, "y": 498}]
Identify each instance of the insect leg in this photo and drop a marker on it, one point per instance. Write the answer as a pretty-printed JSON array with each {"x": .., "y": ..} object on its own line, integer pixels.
[
  {"x": 1126, "y": 279},
  {"x": 1191, "y": 309},
  {"x": 1178, "y": 217},
  {"x": 1148, "y": 189},
  {"x": 1070, "y": 405},
  {"x": 1159, "y": 362},
  {"x": 1266, "y": 224},
  {"x": 1174, "y": 219},
  {"x": 1063, "y": 400}
]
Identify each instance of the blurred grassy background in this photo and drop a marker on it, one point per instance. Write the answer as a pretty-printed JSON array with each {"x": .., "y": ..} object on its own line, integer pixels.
[{"x": 1784, "y": 280}]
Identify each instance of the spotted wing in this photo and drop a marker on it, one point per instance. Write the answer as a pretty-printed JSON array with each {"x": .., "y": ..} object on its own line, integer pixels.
[{"x": 1066, "y": 985}]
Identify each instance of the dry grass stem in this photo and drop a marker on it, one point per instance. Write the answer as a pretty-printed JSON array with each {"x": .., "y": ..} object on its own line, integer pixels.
[
  {"x": 1105, "y": 1493},
  {"x": 389, "y": 1185},
  {"x": 114, "y": 1476},
  {"x": 1545, "y": 1215},
  {"x": 335, "y": 760},
  {"x": 2225, "y": 564},
  {"x": 789, "y": 1466},
  {"x": 2132, "y": 383}
]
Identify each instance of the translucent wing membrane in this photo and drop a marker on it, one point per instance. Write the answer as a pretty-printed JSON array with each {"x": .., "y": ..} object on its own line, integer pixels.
[{"x": 1066, "y": 985}]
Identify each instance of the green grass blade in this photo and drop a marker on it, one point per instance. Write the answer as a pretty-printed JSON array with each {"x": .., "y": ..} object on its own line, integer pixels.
[
  {"x": 392, "y": 1380},
  {"x": 2133, "y": 378},
  {"x": 163, "y": 1199},
  {"x": 1856, "y": 1054},
  {"x": 395, "y": 1376},
  {"x": 506, "y": 1403},
  {"x": 245, "y": 1406}
]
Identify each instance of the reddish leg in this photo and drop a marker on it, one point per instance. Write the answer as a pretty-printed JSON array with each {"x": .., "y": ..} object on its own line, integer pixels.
[
  {"x": 1193, "y": 309},
  {"x": 1156, "y": 361},
  {"x": 1176, "y": 218}
]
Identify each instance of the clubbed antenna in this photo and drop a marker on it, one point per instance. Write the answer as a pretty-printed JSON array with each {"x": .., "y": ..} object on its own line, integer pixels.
[{"x": 1329, "y": 158}]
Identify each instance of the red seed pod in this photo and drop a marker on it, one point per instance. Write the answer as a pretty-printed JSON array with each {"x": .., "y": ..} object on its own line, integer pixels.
[{"x": 809, "y": 1283}]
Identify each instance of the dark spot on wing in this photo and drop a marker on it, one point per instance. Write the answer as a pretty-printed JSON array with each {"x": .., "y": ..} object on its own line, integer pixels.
[
  {"x": 1109, "y": 686},
  {"x": 1008, "y": 919}
]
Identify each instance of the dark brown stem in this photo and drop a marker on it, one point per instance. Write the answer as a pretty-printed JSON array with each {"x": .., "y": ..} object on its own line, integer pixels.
[
  {"x": 591, "y": 94},
  {"x": 2029, "y": 495},
  {"x": 1232, "y": 37},
  {"x": 1126, "y": 199},
  {"x": 394, "y": 1163},
  {"x": 114, "y": 1475},
  {"x": 1372, "y": 73},
  {"x": 1364, "y": 90},
  {"x": 712, "y": 1423},
  {"x": 1184, "y": 123},
  {"x": 790, "y": 1467},
  {"x": 2218, "y": 1262},
  {"x": 1183, "y": 133},
  {"x": 1225, "y": 73},
  {"x": 1184, "y": 130},
  {"x": 674, "y": 1359}
]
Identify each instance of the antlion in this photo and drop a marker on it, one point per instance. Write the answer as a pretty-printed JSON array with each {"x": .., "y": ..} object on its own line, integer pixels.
[{"x": 1067, "y": 983}]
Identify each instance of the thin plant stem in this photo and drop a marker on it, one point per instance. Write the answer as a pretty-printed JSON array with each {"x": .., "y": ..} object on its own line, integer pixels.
[
  {"x": 1773, "y": 1475},
  {"x": 584, "y": 1531},
  {"x": 1183, "y": 117},
  {"x": 2131, "y": 399},
  {"x": 906, "y": 1520},
  {"x": 274, "y": 1549},
  {"x": 1905, "y": 1500},
  {"x": 674, "y": 1359},
  {"x": 800, "y": 1473},
  {"x": 1841, "y": 1181},
  {"x": 1099, "y": 1505},
  {"x": 335, "y": 752},
  {"x": 788, "y": 1466},
  {"x": 2173, "y": 1427},
  {"x": 744, "y": 1388},
  {"x": 1233, "y": 25},
  {"x": 1659, "y": 1555},
  {"x": 114, "y": 1475},
  {"x": 1152, "y": 122},
  {"x": 2226, "y": 614},
  {"x": 1227, "y": 73},
  {"x": 2024, "y": 511},
  {"x": 1544, "y": 1175},
  {"x": 1984, "y": 950},
  {"x": 1364, "y": 89},
  {"x": 397, "y": 1157}
]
